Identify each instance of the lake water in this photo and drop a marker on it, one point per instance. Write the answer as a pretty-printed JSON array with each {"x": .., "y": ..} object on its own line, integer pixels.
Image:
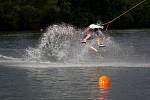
[
  {"x": 53, "y": 66},
  {"x": 73, "y": 83}
]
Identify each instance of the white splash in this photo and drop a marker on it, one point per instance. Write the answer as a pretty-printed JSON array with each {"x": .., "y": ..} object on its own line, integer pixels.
[{"x": 54, "y": 44}]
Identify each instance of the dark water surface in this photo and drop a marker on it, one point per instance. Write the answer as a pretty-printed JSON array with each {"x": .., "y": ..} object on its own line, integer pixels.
[
  {"x": 48, "y": 66},
  {"x": 73, "y": 83}
]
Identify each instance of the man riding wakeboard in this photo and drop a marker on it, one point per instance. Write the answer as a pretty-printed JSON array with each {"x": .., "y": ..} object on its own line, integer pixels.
[{"x": 94, "y": 29}]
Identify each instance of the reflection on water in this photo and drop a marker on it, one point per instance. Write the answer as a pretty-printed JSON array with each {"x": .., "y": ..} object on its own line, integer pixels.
[
  {"x": 103, "y": 94},
  {"x": 73, "y": 83}
]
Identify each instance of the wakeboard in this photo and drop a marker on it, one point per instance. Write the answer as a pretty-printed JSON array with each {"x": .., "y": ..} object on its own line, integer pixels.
[{"x": 89, "y": 47}]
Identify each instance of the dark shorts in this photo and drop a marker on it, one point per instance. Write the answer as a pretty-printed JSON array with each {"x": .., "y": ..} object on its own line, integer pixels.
[{"x": 98, "y": 33}]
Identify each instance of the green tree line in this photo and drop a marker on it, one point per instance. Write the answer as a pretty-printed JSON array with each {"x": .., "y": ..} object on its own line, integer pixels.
[{"x": 34, "y": 14}]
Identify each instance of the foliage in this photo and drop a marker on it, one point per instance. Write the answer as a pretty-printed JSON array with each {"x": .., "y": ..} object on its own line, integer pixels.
[{"x": 33, "y": 14}]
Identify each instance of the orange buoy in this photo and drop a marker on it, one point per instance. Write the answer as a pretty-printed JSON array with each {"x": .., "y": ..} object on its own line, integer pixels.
[{"x": 104, "y": 83}]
